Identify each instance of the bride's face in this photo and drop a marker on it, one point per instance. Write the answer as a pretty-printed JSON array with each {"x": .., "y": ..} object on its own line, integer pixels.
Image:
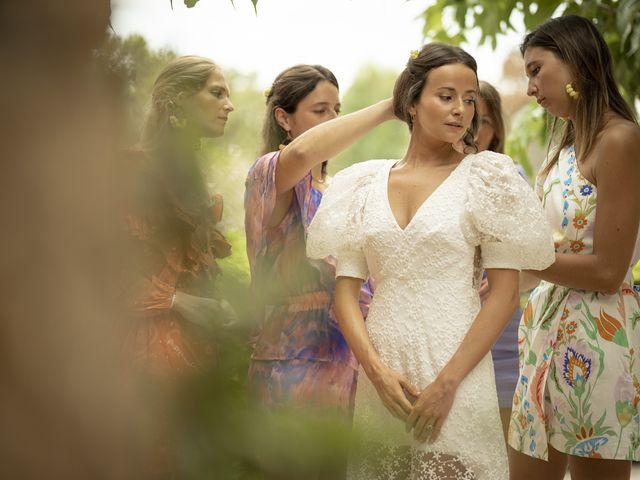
[{"x": 447, "y": 103}]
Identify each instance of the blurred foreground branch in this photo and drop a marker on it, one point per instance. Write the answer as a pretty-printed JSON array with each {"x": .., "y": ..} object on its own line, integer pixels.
[{"x": 67, "y": 408}]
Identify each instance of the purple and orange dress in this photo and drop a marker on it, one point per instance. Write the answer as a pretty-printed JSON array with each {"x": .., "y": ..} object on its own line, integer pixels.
[{"x": 300, "y": 357}]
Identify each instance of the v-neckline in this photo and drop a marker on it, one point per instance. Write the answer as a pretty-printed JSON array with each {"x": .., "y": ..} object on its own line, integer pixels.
[{"x": 424, "y": 202}]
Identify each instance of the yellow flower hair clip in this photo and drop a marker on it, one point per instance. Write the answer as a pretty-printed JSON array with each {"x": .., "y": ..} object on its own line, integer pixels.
[
  {"x": 414, "y": 54},
  {"x": 267, "y": 92}
]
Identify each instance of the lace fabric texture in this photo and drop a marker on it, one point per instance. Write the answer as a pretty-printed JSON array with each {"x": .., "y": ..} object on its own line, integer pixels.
[
  {"x": 407, "y": 463},
  {"x": 484, "y": 215}
]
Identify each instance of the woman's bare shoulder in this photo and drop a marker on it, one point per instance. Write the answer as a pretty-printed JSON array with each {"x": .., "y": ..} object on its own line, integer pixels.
[
  {"x": 619, "y": 133},
  {"x": 618, "y": 149}
]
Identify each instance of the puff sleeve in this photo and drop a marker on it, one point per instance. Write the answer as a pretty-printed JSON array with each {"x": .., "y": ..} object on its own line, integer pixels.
[
  {"x": 337, "y": 228},
  {"x": 506, "y": 216}
]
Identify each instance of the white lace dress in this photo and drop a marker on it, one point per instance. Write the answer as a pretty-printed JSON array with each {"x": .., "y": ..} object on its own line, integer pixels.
[{"x": 484, "y": 215}]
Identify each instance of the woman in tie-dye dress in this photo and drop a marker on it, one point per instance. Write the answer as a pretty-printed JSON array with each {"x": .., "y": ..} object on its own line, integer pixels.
[
  {"x": 578, "y": 396},
  {"x": 300, "y": 358}
]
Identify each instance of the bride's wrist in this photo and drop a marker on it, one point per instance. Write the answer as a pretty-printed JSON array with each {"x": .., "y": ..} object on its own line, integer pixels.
[
  {"x": 449, "y": 380},
  {"x": 375, "y": 371}
]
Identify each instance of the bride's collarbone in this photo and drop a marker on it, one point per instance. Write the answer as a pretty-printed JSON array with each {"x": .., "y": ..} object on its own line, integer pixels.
[
  {"x": 407, "y": 196},
  {"x": 416, "y": 187}
]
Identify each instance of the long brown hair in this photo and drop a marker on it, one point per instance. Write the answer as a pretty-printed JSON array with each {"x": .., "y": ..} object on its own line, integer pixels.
[
  {"x": 289, "y": 88},
  {"x": 491, "y": 96},
  {"x": 170, "y": 186},
  {"x": 578, "y": 43},
  {"x": 411, "y": 82}
]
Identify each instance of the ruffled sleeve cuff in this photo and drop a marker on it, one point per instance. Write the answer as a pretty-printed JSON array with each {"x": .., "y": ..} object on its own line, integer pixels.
[
  {"x": 337, "y": 227},
  {"x": 352, "y": 263},
  {"x": 510, "y": 225}
]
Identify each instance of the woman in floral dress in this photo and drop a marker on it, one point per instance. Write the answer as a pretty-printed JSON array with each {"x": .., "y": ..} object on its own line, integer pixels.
[
  {"x": 301, "y": 363},
  {"x": 578, "y": 396},
  {"x": 300, "y": 358},
  {"x": 171, "y": 222}
]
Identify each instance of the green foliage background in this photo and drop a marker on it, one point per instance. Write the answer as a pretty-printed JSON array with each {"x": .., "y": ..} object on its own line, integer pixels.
[
  {"x": 224, "y": 437},
  {"x": 228, "y": 159},
  {"x": 370, "y": 85},
  {"x": 452, "y": 20},
  {"x": 618, "y": 20}
]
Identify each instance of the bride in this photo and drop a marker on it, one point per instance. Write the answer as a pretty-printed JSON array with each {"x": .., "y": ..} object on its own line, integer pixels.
[{"x": 425, "y": 227}]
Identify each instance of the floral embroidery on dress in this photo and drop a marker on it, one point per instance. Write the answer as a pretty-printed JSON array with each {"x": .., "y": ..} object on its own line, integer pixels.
[{"x": 577, "y": 346}]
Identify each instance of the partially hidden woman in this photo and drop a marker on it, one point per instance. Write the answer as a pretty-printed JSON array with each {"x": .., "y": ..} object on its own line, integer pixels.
[
  {"x": 425, "y": 226},
  {"x": 300, "y": 358},
  {"x": 491, "y": 136},
  {"x": 578, "y": 398}
]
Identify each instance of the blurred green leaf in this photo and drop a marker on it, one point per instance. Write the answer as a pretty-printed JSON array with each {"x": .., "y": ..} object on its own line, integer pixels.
[
  {"x": 389, "y": 140},
  {"x": 528, "y": 130}
]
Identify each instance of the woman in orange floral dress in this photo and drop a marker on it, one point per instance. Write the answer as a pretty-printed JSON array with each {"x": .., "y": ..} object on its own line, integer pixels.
[
  {"x": 174, "y": 243},
  {"x": 172, "y": 223}
]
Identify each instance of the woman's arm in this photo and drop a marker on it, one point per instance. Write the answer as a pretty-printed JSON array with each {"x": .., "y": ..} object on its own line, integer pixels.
[
  {"x": 209, "y": 313},
  {"x": 617, "y": 171},
  {"x": 326, "y": 140},
  {"x": 388, "y": 383},
  {"x": 433, "y": 404},
  {"x": 528, "y": 281}
]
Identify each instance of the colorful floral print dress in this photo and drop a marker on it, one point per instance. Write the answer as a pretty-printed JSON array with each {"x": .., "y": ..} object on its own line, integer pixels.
[
  {"x": 300, "y": 357},
  {"x": 579, "y": 387}
]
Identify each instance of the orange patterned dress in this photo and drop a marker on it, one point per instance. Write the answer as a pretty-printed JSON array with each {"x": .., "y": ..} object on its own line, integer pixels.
[{"x": 174, "y": 246}]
